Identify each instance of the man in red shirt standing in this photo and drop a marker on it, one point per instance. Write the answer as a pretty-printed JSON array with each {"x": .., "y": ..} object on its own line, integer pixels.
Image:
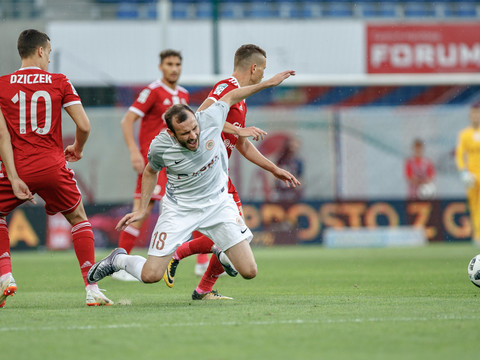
[
  {"x": 249, "y": 66},
  {"x": 33, "y": 159},
  {"x": 149, "y": 107},
  {"x": 419, "y": 172}
]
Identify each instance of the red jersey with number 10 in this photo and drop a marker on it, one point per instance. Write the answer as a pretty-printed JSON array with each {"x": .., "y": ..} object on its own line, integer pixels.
[
  {"x": 237, "y": 113},
  {"x": 31, "y": 101}
]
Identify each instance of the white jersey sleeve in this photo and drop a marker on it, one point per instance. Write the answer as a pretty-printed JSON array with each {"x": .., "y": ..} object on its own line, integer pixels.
[
  {"x": 158, "y": 147},
  {"x": 213, "y": 116}
]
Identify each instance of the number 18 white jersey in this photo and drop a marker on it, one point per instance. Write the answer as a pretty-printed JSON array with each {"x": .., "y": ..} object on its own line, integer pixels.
[{"x": 194, "y": 177}]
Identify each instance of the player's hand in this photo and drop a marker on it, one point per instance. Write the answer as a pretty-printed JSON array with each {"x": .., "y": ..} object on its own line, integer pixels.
[
  {"x": 129, "y": 218},
  {"x": 253, "y": 132},
  {"x": 72, "y": 154},
  {"x": 280, "y": 77},
  {"x": 468, "y": 178},
  {"x": 138, "y": 164},
  {"x": 286, "y": 177},
  {"x": 21, "y": 190}
]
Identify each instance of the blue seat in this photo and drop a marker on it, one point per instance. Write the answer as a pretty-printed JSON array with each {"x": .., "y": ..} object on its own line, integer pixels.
[
  {"x": 127, "y": 10},
  {"x": 417, "y": 9},
  {"x": 466, "y": 9},
  {"x": 338, "y": 9},
  {"x": 368, "y": 9},
  {"x": 181, "y": 9},
  {"x": 288, "y": 9},
  {"x": 261, "y": 10},
  {"x": 310, "y": 9},
  {"x": 204, "y": 10},
  {"x": 387, "y": 9},
  {"x": 232, "y": 9}
]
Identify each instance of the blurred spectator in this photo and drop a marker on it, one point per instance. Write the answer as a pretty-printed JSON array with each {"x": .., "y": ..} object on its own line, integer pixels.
[
  {"x": 419, "y": 172},
  {"x": 289, "y": 160}
]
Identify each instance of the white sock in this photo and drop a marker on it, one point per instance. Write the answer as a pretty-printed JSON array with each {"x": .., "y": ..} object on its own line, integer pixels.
[
  {"x": 132, "y": 264},
  {"x": 225, "y": 260}
]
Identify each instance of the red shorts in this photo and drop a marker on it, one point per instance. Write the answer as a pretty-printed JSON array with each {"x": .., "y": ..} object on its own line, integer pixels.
[
  {"x": 159, "y": 190},
  {"x": 58, "y": 189}
]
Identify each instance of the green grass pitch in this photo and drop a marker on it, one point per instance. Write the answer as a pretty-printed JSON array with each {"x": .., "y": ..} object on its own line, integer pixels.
[{"x": 307, "y": 302}]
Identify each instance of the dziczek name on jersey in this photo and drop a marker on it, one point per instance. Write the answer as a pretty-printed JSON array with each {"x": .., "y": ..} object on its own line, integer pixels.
[{"x": 30, "y": 79}]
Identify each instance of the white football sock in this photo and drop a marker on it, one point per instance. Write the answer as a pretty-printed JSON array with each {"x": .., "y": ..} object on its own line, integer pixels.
[{"x": 132, "y": 264}]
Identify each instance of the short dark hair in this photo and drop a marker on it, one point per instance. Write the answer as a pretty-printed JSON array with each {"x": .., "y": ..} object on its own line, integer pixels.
[
  {"x": 178, "y": 112},
  {"x": 29, "y": 41},
  {"x": 244, "y": 54},
  {"x": 169, "y": 52}
]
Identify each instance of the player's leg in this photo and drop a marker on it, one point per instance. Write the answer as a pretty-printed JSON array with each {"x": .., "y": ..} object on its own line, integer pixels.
[
  {"x": 129, "y": 236},
  {"x": 242, "y": 258},
  {"x": 473, "y": 197},
  {"x": 60, "y": 192},
  {"x": 201, "y": 264},
  {"x": 8, "y": 202},
  {"x": 8, "y": 286},
  {"x": 204, "y": 290},
  {"x": 173, "y": 227}
]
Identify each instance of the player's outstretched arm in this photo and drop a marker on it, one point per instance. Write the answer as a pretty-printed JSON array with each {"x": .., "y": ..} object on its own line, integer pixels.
[
  {"x": 149, "y": 181},
  {"x": 136, "y": 158},
  {"x": 251, "y": 153},
  {"x": 20, "y": 189},
  {"x": 74, "y": 152},
  {"x": 251, "y": 131},
  {"x": 239, "y": 94}
]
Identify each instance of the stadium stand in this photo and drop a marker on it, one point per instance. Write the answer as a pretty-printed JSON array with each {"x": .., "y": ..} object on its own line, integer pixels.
[{"x": 238, "y": 9}]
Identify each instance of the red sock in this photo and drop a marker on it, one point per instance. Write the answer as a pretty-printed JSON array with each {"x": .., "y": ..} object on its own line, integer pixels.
[
  {"x": 128, "y": 238},
  {"x": 84, "y": 246},
  {"x": 202, "y": 258},
  {"x": 211, "y": 275},
  {"x": 199, "y": 245},
  {"x": 5, "y": 259}
]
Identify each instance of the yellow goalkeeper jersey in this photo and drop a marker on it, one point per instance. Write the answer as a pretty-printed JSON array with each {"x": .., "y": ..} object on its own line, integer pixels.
[{"x": 468, "y": 150}]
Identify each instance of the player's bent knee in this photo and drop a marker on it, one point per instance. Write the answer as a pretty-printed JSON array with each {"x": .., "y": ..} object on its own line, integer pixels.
[
  {"x": 150, "y": 277},
  {"x": 250, "y": 272}
]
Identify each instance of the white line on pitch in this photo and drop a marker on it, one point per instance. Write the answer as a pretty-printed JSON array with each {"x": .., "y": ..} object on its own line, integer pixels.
[{"x": 233, "y": 323}]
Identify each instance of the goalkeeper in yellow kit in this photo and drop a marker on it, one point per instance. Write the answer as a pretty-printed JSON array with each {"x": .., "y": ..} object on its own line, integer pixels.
[{"x": 468, "y": 163}]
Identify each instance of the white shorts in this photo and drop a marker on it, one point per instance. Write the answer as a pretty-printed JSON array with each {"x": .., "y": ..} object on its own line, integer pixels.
[{"x": 220, "y": 222}]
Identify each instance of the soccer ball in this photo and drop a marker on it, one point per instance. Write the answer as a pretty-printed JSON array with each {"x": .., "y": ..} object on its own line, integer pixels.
[
  {"x": 474, "y": 270},
  {"x": 426, "y": 191}
]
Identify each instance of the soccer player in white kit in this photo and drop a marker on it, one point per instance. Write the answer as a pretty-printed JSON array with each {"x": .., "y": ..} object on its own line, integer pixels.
[{"x": 196, "y": 198}]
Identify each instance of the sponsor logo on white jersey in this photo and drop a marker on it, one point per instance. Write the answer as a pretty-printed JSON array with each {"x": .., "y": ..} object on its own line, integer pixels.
[
  {"x": 219, "y": 89},
  {"x": 210, "y": 144}
]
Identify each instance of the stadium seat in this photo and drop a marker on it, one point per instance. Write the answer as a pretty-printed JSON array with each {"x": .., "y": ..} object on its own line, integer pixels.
[
  {"x": 368, "y": 9},
  {"x": 387, "y": 9},
  {"x": 204, "y": 10},
  {"x": 338, "y": 9},
  {"x": 261, "y": 10},
  {"x": 127, "y": 10},
  {"x": 466, "y": 9},
  {"x": 310, "y": 9},
  {"x": 182, "y": 9},
  {"x": 287, "y": 9},
  {"x": 232, "y": 9},
  {"x": 418, "y": 9}
]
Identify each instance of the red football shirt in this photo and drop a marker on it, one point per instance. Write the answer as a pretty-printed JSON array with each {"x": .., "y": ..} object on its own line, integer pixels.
[
  {"x": 237, "y": 113},
  {"x": 151, "y": 104},
  {"x": 31, "y": 101}
]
